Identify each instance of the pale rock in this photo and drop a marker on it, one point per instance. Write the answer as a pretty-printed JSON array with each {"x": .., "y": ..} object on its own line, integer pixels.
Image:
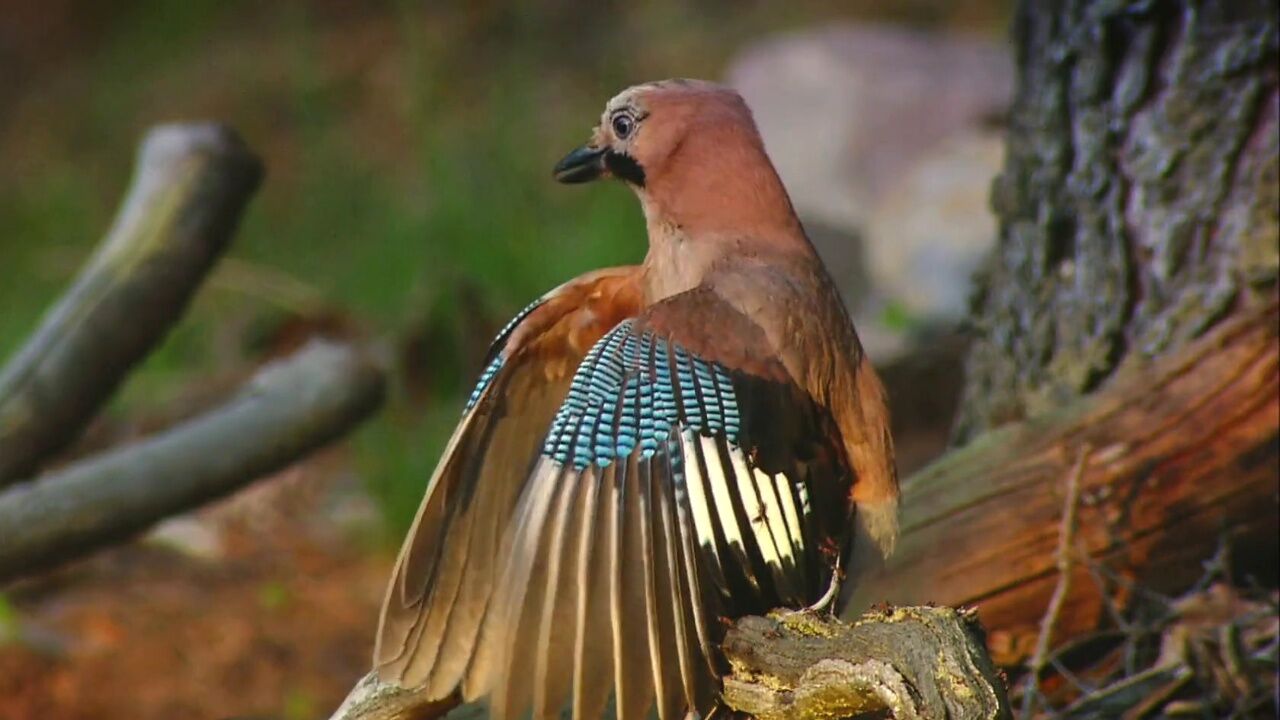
[
  {"x": 887, "y": 140},
  {"x": 844, "y": 111},
  {"x": 932, "y": 229},
  {"x": 190, "y": 535}
]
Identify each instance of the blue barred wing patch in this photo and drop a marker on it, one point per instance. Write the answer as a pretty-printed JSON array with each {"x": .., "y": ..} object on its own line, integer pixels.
[
  {"x": 631, "y": 391},
  {"x": 495, "y": 360}
]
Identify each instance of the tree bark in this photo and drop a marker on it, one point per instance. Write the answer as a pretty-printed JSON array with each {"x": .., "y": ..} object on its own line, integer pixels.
[
  {"x": 1169, "y": 459},
  {"x": 288, "y": 409},
  {"x": 190, "y": 186},
  {"x": 913, "y": 662},
  {"x": 1138, "y": 205}
]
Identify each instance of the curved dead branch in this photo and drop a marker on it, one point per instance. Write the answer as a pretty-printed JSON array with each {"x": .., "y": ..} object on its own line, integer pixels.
[
  {"x": 190, "y": 186},
  {"x": 288, "y": 409}
]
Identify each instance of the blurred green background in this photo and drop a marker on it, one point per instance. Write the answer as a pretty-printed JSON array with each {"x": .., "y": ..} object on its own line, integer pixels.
[{"x": 407, "y": 145}]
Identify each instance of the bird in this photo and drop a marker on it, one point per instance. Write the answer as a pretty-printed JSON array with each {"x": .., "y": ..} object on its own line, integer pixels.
[{"x": 651, "y": 451}]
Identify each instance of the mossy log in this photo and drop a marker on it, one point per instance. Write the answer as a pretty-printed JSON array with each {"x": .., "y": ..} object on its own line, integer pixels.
[{"x": 913, "y": 662}]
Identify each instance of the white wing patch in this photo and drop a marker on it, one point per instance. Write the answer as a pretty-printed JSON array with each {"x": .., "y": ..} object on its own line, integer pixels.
[
  {"x": 698, "y": 503},
  {"x": 719, "y": 482},
  {"x": 773, "y": 518},
  {"x": 783, "y": 543}
]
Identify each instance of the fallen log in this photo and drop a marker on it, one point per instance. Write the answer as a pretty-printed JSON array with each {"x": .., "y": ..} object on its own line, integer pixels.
[{"x": 1167, "y": 459}]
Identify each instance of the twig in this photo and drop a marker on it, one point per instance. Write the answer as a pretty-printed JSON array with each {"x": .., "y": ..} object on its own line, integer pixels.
[
  {"x": 270, "y": 284},
  {"x": 288, "y": 409},
  {"x": 1065, "y": 565}
]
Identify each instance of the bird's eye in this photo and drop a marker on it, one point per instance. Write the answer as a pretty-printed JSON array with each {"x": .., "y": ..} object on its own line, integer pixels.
[{"x": 623, "y": 124}]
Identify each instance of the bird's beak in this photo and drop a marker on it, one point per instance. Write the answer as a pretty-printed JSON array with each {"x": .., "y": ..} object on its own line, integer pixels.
[{"x": 582, "y": 165}]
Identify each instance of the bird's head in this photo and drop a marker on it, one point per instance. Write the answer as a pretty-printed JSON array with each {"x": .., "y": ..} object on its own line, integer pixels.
[
  {"x": 648, "y": 129},
  {"x": 691, "y": 150}
]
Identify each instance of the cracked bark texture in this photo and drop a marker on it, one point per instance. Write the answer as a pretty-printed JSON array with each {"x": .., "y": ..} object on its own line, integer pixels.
[{"x": 1139, "y": 201}]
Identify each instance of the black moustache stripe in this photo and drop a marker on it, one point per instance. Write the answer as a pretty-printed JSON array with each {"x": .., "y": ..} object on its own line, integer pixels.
[{"x": 625, "y": 167}]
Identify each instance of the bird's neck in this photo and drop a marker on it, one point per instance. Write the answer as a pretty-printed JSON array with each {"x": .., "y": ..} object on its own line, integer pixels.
[
  {"x": 690, "y": 242},
  {"x": 674, "y": 262},
  {"x": 716, "y": 198}
]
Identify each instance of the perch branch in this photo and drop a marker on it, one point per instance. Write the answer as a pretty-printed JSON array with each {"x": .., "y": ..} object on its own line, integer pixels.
[
  {"x": 190, "y": 186},
  {"x": 915, "y": 662},
  {"x": 288, "y": 409}
]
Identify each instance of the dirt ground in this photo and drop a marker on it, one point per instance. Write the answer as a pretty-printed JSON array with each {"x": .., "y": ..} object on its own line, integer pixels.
[{"x": 255, "y": 608}]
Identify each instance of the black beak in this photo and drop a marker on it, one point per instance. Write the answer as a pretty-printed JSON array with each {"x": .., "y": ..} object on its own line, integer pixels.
[{"x": 582, "y": 165}]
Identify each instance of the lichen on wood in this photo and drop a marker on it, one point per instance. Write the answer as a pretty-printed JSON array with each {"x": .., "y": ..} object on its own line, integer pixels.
[{"x": 914, "y": 662}]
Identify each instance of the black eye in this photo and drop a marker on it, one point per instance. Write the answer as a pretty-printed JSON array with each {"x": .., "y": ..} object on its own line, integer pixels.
[{"x": 623, "y": 124}]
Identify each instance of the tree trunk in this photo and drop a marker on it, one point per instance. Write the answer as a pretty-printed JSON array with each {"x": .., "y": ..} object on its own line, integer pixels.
[{"x": 1138, "y": 205}]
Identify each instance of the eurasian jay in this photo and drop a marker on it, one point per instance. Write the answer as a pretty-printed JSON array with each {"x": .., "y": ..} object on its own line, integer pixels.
[{"x": 650, "y": 450}]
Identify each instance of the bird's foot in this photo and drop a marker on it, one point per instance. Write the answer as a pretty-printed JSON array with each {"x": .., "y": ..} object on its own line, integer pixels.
[{"x": 826, "y": 603}]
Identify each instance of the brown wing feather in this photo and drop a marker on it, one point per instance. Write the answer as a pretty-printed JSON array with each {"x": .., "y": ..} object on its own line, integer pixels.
[{"x": 442, "y": 581}]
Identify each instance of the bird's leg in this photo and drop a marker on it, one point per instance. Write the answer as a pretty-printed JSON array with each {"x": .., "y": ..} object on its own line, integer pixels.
[
  {"x": 827, "y": 602},
  {"x": 824, "y": 604}
]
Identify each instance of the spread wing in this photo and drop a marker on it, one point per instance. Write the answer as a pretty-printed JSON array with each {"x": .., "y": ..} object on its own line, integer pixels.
[
  {"x": 448, "y": 566},
  {"x": 678, "y": 478}
]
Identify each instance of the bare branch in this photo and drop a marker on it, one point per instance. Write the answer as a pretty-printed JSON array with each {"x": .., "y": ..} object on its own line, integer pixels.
[
  {"x": 288, "y": 409},
  {"x": 190, "y": 186}
]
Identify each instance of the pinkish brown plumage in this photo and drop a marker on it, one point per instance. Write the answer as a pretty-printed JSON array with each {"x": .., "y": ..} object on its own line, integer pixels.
[{"x": 650, "y": 448}]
